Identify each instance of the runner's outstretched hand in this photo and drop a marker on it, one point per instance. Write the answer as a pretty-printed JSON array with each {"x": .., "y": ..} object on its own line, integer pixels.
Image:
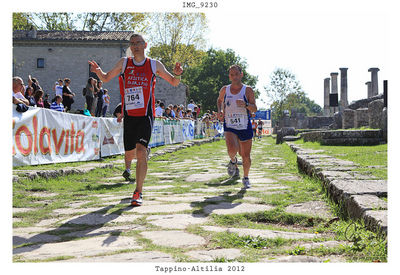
[{"x": 178, "y": 69}]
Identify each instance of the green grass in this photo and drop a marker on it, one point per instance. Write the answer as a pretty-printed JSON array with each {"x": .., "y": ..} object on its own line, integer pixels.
[
  {"x": 364, "y": 156},
  {"x": 74, "y": 188}
]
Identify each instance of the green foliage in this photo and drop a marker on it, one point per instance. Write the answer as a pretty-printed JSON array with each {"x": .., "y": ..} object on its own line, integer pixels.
[
  {"x": 21, "y": 21},
  {"x": 286, "y": 93},
  {"x": 89, "y": 21},
  {"x": 177, "y": 37},
  {"x": 207, "y": 78}
]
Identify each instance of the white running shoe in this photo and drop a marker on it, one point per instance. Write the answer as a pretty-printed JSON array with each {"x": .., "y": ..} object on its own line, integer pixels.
[
  {"x": 148, "y": 152},
  {"x": 232, "y": 168},
  {"x": 246, "y": 182}
]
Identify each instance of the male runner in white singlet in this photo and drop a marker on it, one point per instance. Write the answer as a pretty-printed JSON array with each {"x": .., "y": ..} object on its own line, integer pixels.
[{"x": 235, "y": 104}]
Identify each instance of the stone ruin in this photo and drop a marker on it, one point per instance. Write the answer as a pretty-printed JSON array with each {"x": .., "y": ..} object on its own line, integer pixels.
[{"x": 370, "y": 112}]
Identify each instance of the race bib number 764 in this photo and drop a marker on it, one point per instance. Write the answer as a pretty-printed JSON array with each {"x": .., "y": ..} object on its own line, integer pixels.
[{"x": 134, "y": 98}]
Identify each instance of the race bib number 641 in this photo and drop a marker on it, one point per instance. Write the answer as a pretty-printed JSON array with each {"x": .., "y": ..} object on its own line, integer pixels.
[{"x": 134, "y": 98}]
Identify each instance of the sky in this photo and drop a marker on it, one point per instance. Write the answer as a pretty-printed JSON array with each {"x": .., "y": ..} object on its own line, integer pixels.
[{"x": 310, "y": 45}]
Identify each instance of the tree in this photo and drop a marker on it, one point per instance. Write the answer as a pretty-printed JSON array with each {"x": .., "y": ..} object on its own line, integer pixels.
[
  {"x": 286, "y": 93},
  {"x": 177, "y": 37},
  {"x": 92, "y": 21},
  {"x": 21, "y": 21},
  {"x": 207, "y": 78}
]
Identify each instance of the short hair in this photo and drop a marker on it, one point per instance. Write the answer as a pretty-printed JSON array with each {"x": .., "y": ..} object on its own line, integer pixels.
[
  {"x": 57, "y": 97},
  {"x": 16, "y": 79},
  {"x": 235, "y": 66},
  {"x": 162, "y": 104},
  {"x": 136, "y": 35}
]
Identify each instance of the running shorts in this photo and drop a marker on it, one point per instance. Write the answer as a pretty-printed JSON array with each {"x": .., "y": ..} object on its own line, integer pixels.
[
  {"x": 243, "y": 135},
  {"x": 137, "y": 130}
]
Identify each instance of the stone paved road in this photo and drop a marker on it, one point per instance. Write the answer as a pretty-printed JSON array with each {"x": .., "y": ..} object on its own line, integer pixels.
[{"x": 192, "y": 211}]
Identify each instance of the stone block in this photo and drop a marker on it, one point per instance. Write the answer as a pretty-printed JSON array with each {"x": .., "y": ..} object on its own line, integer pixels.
[
  {"x": 343, "y": 189},
  {"x": 348, "y": 118},
  {"x": 361, "y": 118},
  {"x": 357, "y": 205},
  {"x": 375, "y": 113},
  {"x": 376, "y": 220}
]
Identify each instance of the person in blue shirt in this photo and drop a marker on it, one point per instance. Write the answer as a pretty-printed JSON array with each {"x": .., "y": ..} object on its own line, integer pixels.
[{"x": 57, "y": 105}]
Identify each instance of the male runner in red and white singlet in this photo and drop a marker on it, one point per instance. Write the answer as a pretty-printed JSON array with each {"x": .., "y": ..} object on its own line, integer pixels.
[{"x": 137, "y": 79}]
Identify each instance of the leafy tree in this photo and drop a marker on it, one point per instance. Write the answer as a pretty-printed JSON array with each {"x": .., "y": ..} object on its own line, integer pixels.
[
  {"x": 21, "y": 21},
  {"x": 177, "y": 37},
  {"x": 207, "y": 78},
  {"x": 91, "y": 21},
  {"x": 286, "y": 93}
]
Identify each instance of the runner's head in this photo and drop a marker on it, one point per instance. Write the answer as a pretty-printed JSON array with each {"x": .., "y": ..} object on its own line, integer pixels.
[
  {"x": 137, "y": 44},
  {"x": 235, "y": 74}
]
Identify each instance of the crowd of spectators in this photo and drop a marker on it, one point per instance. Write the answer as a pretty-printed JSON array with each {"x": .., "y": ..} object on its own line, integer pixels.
[
  {"x": 97, "y": 100},
  {"x": 32, "y": 94}
]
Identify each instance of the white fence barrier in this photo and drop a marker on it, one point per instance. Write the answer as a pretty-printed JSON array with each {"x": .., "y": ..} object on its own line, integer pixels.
[{"x": 42, "y": 136}]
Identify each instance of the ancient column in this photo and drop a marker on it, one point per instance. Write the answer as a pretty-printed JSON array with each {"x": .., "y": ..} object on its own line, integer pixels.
[
  {"x": 343, "y": 89},
  {"x": 369, "y": 88},
  {"x": 327, "y": 111},
  {"x": 334, "y": 88},
  {"x": 374, "y": 80}
]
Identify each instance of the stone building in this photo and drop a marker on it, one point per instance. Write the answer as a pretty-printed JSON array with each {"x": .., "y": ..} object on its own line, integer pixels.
[{"x": 50, "y": 55}]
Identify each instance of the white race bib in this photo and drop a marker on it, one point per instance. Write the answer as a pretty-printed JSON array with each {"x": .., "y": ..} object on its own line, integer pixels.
[
  {"x": 236, "y": 121},
  {"x": 134, "y": 98}
]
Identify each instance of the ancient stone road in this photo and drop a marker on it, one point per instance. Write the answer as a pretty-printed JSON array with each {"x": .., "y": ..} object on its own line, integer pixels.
[{"x": 174, "y": 226}]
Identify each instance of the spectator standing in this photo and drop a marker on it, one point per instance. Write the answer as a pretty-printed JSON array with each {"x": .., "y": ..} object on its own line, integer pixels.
[
  {"x": 57, "y": 105},
  {"x": 194, "y": 113},
  {"x": 34, "y": 83},
  {"x": 18, "y": 88},
  {"x": 95, "y": 99},
  {"x": 106, "y": 102},
  {"x": 67, "y": 95},
  {"x": 89, "y": 93},
  {"x": 46, "y": 103},
  {"x": 160, "y": 109},
  {"x": 191, "y": 105},
  {"x": 58, "y": 88},
  {"x": 29, "y": 96},
  {"x": 38, "y": 98},
  {"x": 198, "y": 110},
  {"x": 100, "y": 93},
  {"x": 172, "y": 111}
]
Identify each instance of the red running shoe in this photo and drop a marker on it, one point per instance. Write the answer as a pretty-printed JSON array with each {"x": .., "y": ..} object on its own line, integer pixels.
[{"x": 136, "y": 199}]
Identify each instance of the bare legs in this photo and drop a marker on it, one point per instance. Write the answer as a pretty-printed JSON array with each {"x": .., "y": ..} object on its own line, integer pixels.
[
  {"x": 234, "y": 146},
  {"x": 140, "y": 153}
]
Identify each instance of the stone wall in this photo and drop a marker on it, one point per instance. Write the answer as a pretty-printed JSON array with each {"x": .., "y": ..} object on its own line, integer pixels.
[
  {"x": 343, "y": 138},
  {"x": 71, "y": 61},
  {"x": 363, "y": 103}
]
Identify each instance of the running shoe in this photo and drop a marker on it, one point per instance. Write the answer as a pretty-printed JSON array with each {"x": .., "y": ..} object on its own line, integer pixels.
[
  {"x": 232, "y": 168},
  {"x": 148, "y": 153},
  {"x": 127, "y": 176},
  {"x": 246, "y": 182},
  {"x": 237, "y": 173},
  {"x": 136, "y": 199}
]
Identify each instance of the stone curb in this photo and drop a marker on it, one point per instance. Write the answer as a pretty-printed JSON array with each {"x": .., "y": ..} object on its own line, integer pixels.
[
  {"x": 19, "y": 174},
  {"x": 359, "y": 195}
]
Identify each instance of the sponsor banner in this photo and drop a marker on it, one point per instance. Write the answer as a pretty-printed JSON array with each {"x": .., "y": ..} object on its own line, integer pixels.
[
  {"x": 111, "y": 137},
  {"x": 187, "y": 129},
  {"x": 43, "y": 136},
  {"x": 157, "y": 135},
  {"x": 172, "y": 131}
]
